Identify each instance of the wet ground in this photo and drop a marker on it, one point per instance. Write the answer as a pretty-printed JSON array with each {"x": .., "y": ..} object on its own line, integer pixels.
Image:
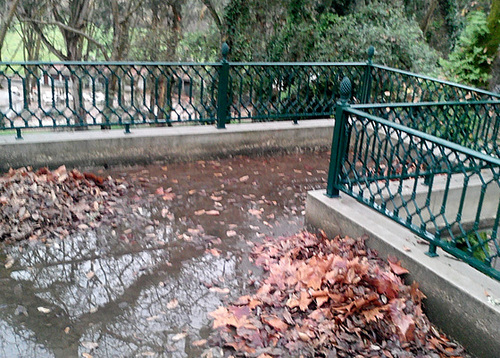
[{"x": 145, "y": 286}]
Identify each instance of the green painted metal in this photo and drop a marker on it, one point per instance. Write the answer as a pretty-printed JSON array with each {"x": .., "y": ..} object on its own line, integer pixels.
[
  {"x": 401, "y": 163},
  {"x": 398, "y": 136},
  {"x": 223, "y": 93},
  {"x": 338, "y": 141},
  {"x": 76, "y": 94}
]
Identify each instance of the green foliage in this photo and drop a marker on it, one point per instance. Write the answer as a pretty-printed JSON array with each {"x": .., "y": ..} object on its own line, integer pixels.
[
  {"x": 478, "y": 245},
  {"x": 200, "y": 46},
  {"x": 467, "y": 62},
  {"x": 333, "y": 37}
]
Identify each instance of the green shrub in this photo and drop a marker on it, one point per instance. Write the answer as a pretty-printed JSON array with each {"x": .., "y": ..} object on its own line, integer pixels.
[{"x": 467, "y": 62}]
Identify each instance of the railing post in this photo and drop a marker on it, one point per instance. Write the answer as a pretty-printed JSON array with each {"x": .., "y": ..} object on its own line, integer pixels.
[
  {"x": 222, "y": 94},
  {"x": 367, "y": 78},
  {"x": 339, "y": 139}
]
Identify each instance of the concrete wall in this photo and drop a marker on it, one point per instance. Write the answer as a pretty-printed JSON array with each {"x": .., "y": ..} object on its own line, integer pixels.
[
  {"x": 147, "y": 145},
  {"x": 457, "y": 295}
]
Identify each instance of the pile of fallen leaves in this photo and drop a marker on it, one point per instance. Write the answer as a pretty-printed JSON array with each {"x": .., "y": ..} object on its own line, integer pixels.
[
  {"x": 42, "y": 204},
  {"x": 328, "y": 298}
]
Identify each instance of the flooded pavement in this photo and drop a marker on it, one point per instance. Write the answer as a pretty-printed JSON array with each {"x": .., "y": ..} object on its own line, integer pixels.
[{"x": 145, "y": 286}]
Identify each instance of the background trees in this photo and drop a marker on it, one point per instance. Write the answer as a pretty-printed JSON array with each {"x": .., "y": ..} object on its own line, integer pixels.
[{"x": 411, "y": 35}]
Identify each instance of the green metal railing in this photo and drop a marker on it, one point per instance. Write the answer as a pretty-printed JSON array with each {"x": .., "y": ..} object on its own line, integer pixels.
[
  {"x": 83, "y": 94},
  {"x": 432, "y": 167},
  {"x": 475, "y": 125},
  {"x": 423, "y": 151}
]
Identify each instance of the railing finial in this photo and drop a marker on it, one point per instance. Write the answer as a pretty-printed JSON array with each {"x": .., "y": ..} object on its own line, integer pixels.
[
  {"x": 345, "y": 90},
  {"x": 370, "y": 52},
  {"x": 225, "y": 51}
]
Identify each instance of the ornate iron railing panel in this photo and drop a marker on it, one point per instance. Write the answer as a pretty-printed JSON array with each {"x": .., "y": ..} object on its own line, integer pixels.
[
  {"x": 474, "y": 125},
  {"x": 73, "y": 94},
  {"x": 288, "y": 91},
  {"x": 442, "y": 191},
  {"x": 397, "y": 86}
]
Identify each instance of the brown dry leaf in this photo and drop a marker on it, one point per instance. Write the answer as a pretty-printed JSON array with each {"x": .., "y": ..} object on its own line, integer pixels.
[
  {"x": 200, "y": 342},
  {"x": 223, "y": 291},
  {"x": 254, "y": 303},
  {"x": 172, "y": 304},
  {"x": 373, "y": 314},
  {"x": 214, "y": 252},
  {"x": 292, "y": 302},
  {"x": 179, "y": 336},
  {"x": 321, "y": 300},
  {"x": 304, "y": 336},
  {"x": 353, "y": 284},
  {"x": 275, "y": 322},
  {"x": 164, "y": 212},
  {"x": 403, "y": 321},
  {"x": 44, "y": 309},
  {"x": 304, "y": 301},
  {"x": 255, "y": 212},
  {"x": 231, "y": 233},
  {"x": 395, "y": 265},
  {"x": 222, "y": 318},
  {"x": 168, "y": 196}
]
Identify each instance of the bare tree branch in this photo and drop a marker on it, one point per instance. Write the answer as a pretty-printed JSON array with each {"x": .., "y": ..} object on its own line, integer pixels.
[
  {"x": 70, "y": 29},
  {"x": 45, "y": 41},
  {"x": 213, "y": 12}
]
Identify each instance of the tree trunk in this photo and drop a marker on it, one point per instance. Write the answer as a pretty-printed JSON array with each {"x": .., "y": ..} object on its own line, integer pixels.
[
  {"x": 426, "y": 21},
  {"x": 6, "y": 24}
]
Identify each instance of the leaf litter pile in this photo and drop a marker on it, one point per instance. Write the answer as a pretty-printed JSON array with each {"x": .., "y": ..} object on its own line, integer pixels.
[
  {"x": 42, "y": 204},
  {"x": 328, "y": 298}
]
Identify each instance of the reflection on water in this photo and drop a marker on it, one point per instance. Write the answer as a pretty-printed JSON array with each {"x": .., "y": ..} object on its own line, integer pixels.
[
  {"x": 146, "y": 290},
  {"x": 126, "y": 298}
]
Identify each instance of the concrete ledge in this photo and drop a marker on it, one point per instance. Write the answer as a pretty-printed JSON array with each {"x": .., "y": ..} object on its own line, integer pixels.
[
  {"x": 146, "y": 145},
  {"x": 456, "y": 293}
]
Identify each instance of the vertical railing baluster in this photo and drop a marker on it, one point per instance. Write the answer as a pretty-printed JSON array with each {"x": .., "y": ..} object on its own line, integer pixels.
[
  {"x": 367, "y": 78},
  {"x": 339, "y": 139},
  {"x": 222, "y": 93}
]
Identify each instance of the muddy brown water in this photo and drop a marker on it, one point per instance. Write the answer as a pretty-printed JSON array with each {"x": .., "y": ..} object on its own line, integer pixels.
[{"x": 144, "y": 286}]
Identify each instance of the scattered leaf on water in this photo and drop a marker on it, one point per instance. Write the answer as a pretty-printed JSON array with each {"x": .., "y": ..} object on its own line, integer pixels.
[
  {"x": 223, "y": 291},
  {"x": 214, "y": 252},
  {"x": 179, "y": 336},
  {"x": 172, "y": 304},
  {"x": 44, "y": 309},
  {"x": 10, "y": 262},
  {"x": 199, "y": 343},
  {"x": 89, "y": 345}
]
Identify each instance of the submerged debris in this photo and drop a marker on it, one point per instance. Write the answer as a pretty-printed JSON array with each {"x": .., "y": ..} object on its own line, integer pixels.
[
  {"x": 37, "y": 205},
  {"x": 328, "y": 298}
]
